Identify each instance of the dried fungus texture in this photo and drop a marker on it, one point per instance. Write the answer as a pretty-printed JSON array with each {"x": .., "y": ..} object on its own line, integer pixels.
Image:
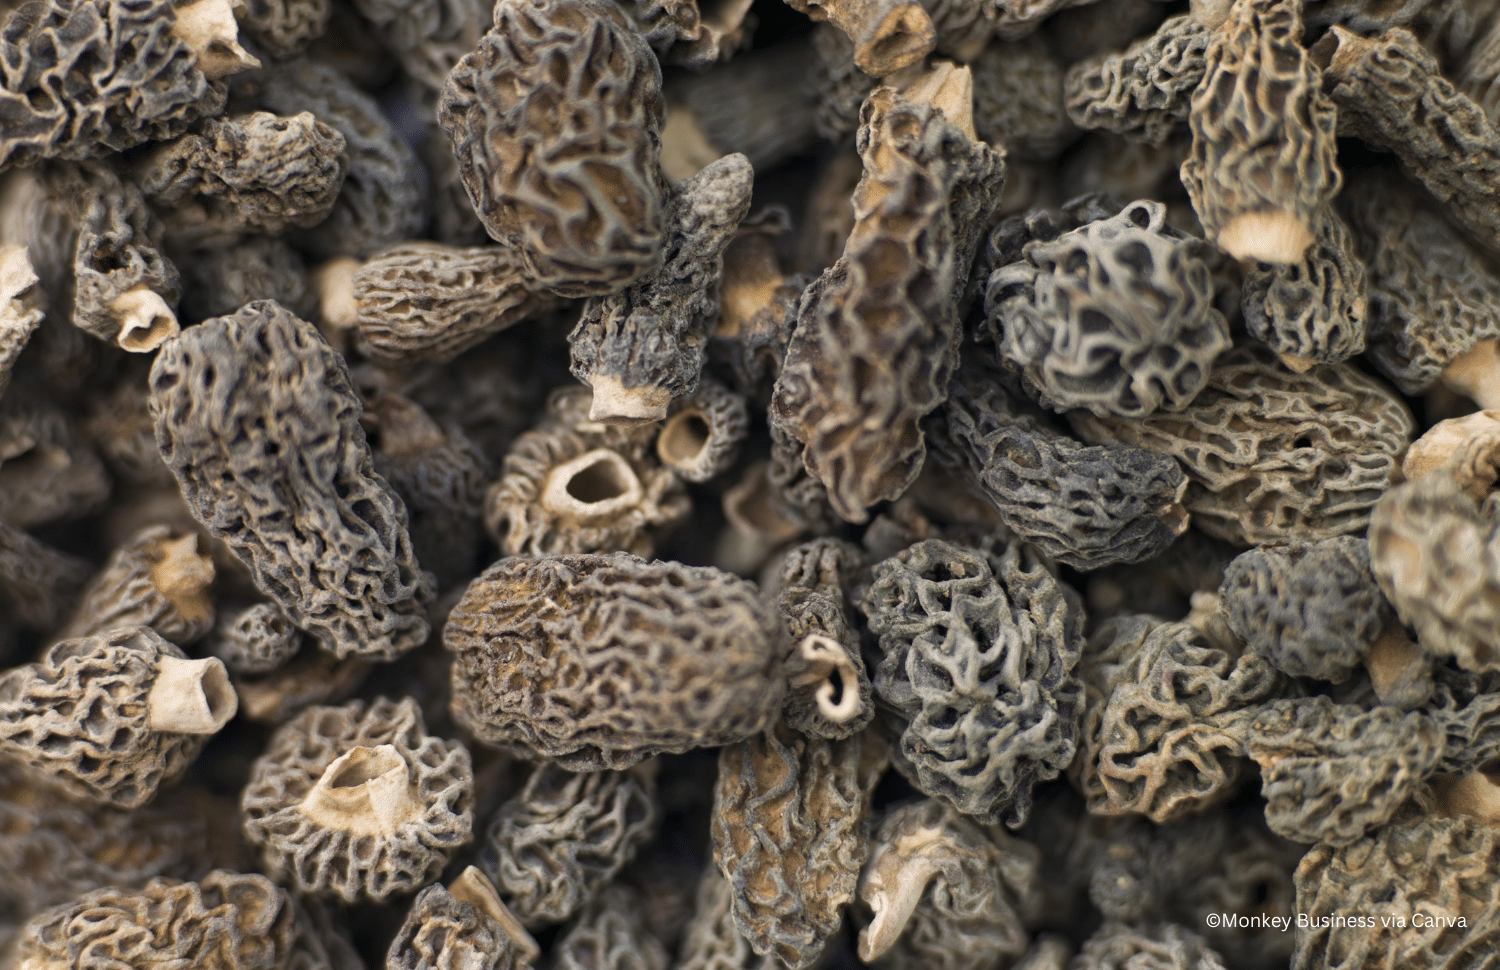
[
  {"x": 884, "y": 36},
  {"x": 120, "y": 428},
  {"x": 1116, "y": 317},
  {"x": 572, "y": 485},
  {"x": 978, "y": 653},
  {"x": 85, "y": 77},
  {"x": 1144, "y": 91},
  {"x": 158, "y": 580},
  {"x": 576, "y": 192},
  {"x": 1330, "y": 774},
  {"x": 383, "y": 200},
  {"x": 427, "y": 37},
  {"x": 1312, "y": 609},
  {"x": 427, "y": 301},
  {"x": 644, "y": 346},
  {"x": 1433, "y": 295},
  {"x": 1465, "y": 705},
  {"x": 1422, "y": 875},
  {"x": 555, "y": 845},
  {"x": 38, "y": 583},
  {"x": 611, "y": 934},
  {"x": 757, "y": 105},
  {"x": 1087, "y": 506},
  {"x": 790, "y": 833},
  {"x": 256, "y": 640},
  {"x": 228, "y": 921},
  {"x": 284, "y": 28},
  {"x": 1262, "y": 160},
  {"x": 603, "y": 661},
  {"x": 339, "y": 560},
  {"x": 703, "y": 433},
  {"x": 1391, "y": 93},
  {"x": 217, "y": 282},
  {"x": 256, "y": 173},
  {"x": 711, "y": 939},
  {"x": 828, "y": 689},
  {"x": 836, "y": 84},
  {"x": 1273, "y": 455},
  {"x": 1018, "y": 100},
  {"x": 47, "y": 470},
  {"x": 692, "y": 34},
  {"x": 358, "y": 802},
  {"x": 443, "y": 932},
  {"x": 22, "y": 306},
  {"x": 1119, "y": 946},
  {"x": 1166, "y": 739},
  {"x": 118, "y": 255},
  {"x": 80, "y": 718},
  {"x": 945, "y": 892},
  {"x": 1432, "y": 548},
  {"x": 876, "y": 337}
]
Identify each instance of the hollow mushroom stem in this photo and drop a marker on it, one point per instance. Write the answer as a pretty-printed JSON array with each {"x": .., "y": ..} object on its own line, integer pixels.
[
  {"x": 473, "y": 888},
  {"x": 683, "y": 442},
  {"x": 146, "y": 322},
  {"x": 1270, "y": 237},
  {"x": 892, "y": 886},
  {"x": 366, "y": 791},
  {"x": 209, "y": 28},
  {"x": 1399, "y": 669},
  {"x": 334, "y": 283},
  {"x": 1476, "y": 374},
  {"x": 829, "y": 666},
  {"x": 183, "y": 576},
  {"x": 596, "y": 485},
  {"x": 190, "y": 697},
  {"x": 614, "y": 403}
]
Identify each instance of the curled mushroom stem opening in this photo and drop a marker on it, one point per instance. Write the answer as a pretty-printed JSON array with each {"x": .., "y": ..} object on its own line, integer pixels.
[
  {"x": 888, "y": 34},
  {"x": 1270, "y": 237},
  {"x": 473, "y": 888},
  {"x": 146, "y": 322},
  {"x": 596, "y": 485},
  {"x": 826, "y": 661},
  {"x": 893, "y": 884},
  {"x": 208, "y": 27},
  {"x": 1476, "y": 795},
  {"x": 366, "y": 791},
  {"x": 183, "y": 576},
  {"x": 614, "y": 403},
  {"x": 1476, "y": 374},
  {"x": 190, "y": 696},
  {"x": 684, "y": 437}
]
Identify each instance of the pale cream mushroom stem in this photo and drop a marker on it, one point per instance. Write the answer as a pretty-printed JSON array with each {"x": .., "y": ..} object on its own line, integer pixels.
[{"x": 190, "y": 696}]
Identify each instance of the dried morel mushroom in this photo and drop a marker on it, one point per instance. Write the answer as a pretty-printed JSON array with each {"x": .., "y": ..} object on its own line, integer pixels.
[
  {"x": 111, "y": 717},
  {"x": 1086, "y": 506},
  {"x": 47, "y": 470},
  {"x": 464, "y": 925},
  {"x": 38, "y": 584},
  {"x": 553, "y": 846},
  {"x": 1272, "y": 455},
  {"x": 426, "y": 301},
  {"x": 256, "y": 640},
  {"x": 283, "y": 28},
  {"x": 1119, "y": 946},
  {"x": 703, "y": 432},
  {"x": 644, "y": 346},
  {"x": 602, "y": 661},
  {"x": 157, "y": 580},
  {"x": 20, "y": 306},
  {"x": 1427, "y": 883},
  {"x": 227, "y": 921},
  {"x": 876, "y": 334},
  {"x": 1143, "y": 91},
  {"x": 1116, "y": 317},
  {"x": 573, "y": 485},
  {"x": 428, "y": 37},
  {"x": 147, "y": 77},
  {"x": 682, "y": 32},
  {"x": 338, "y": 559},
  {"x": 712, "y": 940},
  {"x": 1330, "y": 774},
  {"x": 945, "y": 892},
  {"x": 217, "y": 282},
  {"x": 358, "y": 802},
  {"x": 978, "y": 652},
  {"x": 789, "y": 829},
  {"x": 828, "y": 689},
  {"x": 1018, "y": 100},
  {"x": 1312, "y": 609},
  {"x": 1262, "y": 161},
  {"x": 887, "y": 35},
  {"x": 610, "y": 934},
  {"x": 254, "y": 173},
  {"x": 575, "y": 191}
]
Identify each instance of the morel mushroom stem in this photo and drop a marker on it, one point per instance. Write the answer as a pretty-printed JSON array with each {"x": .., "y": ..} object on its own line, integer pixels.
[
  {"x": 1476, "y": 374},
  {"x": 209, "y": 28},
  {"x": 473, "y": 888},
  {"x": 1476, "y": 795},
  {"x": 365, "y": 792},
  {"x": 950, "y": 87},
  {"x": 893, "y": 885},
  {"x": 888, "y": 35},
  {"x": 334, "y": 282},
  {"x": 146, "y": 322},
  {"x": 838, "y": 695},
  {"x": 595, "y": 485},
  {"x": 183, "y": 576},
  {"x": 1434, "y": 449},
  {"x": 190, "y": 696}
]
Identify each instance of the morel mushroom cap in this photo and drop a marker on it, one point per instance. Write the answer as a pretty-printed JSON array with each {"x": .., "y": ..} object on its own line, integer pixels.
[
  {"x": 1272, "y": 455},
  {"x": 1143, "y": 91},
  {"x": 256, "y": 640},
  {"x": 684, "y": 33},
  {"x": 38, "y": 584},
  {"x": 217, "y": 282},
  {"x": 944, "y": 891},
  {"x": 1119, "y": 946},
  {"x": 978, "y": 651},
  {"x": 463, "y": 925},
  {"x": 603, "y": 661},
  {"x": 157, "y": 580},
  {"x": 428, "y": 37},
  {"x": 1018, "y": 100},
  {"x": 557, "y": 843},
  {"x": 47, "y": 470},
  {"x": 227, "y": 448},
  {"x": 282, "y": 28},
  {"x": 610, "y": 934},
  {"x": 712, "y": 940},
  {"x": 113, "y": 716},
  {"x": 358, "y": 802},
  {"x": 578, "y": 195}
]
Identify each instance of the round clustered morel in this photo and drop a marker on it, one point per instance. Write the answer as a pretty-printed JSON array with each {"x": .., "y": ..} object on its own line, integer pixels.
[
  {"x": 1272, "y": 455},
  {"x": 565, "y": 836},
  {"x": 1116, "y": 316},
  {"x": 978, "y": 653},
  {"x": 358, "y": 802},
  {"x": 556, "y": 123},
  {"x": 324, "y": 536},
  {"x": 603, "y": 661},
  {"x": 462, "y": 926},
  {"x": 256, "y": 640},
  {"x": 112, "y": 717},
  {"x": 228, "y": 921},
  {"x": 1312, "y": 609}
]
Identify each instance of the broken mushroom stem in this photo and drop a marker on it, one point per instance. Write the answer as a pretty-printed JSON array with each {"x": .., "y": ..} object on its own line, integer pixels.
[
  {"x": 190, "y": 696},
  {"x": 596, "y": 485},
  {"x": 948, "y": 87},
  {"x": 616, "y": 404},
  {"x": 894, "y": 881},
  {"x": 208, "y": 27},
  {"x": 146, "y": 322},
  {"x": 366, "y": 791},
  {"x": 1476, "y": 374},
  {"x": 684, "y": 438},
  {"x": 184, "y": 576},
  {"x": 334, "y": 283},
  {"x": 473, "y": 888},
  {"x": 1438, "y": 445},
  {"x": 827, "y": 665},
  {"x": 888, "y": 35},
  {"x": 1274, "y": 236}
]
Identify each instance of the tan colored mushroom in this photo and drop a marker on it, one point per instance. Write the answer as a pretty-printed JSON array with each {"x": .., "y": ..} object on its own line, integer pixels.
[
  {"x": 190, "y": 696},
  {"x": 1434, "y": 449},
  {"x": 1476, "y": 374},
  {"x": 473, "y": 888},
  {"x": 20, "y": 309},
  {"x": 888, "y": 35},
  {"x": 210, "y": 29}
]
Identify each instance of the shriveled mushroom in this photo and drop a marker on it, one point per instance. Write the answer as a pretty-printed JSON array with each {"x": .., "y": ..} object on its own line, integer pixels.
[
  {"x": 158, "y": 580},
  {"x": 888, "y": 35},
  {"x": 209, "y": 29},
  {"x": 701, "y": 438}
]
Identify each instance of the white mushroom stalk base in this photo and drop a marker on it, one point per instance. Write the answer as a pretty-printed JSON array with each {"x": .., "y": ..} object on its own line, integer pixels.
[
  {"x": 190, "y": 697},
  {"x": 209, "y": 28},
  {"x": 146, "y": 322},
  {"x": 1270, "y": 237},
  {"x": 893, "y": 884},
  {"x": 366, "y": 791},
  {"x": 829, "y": 666}
]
